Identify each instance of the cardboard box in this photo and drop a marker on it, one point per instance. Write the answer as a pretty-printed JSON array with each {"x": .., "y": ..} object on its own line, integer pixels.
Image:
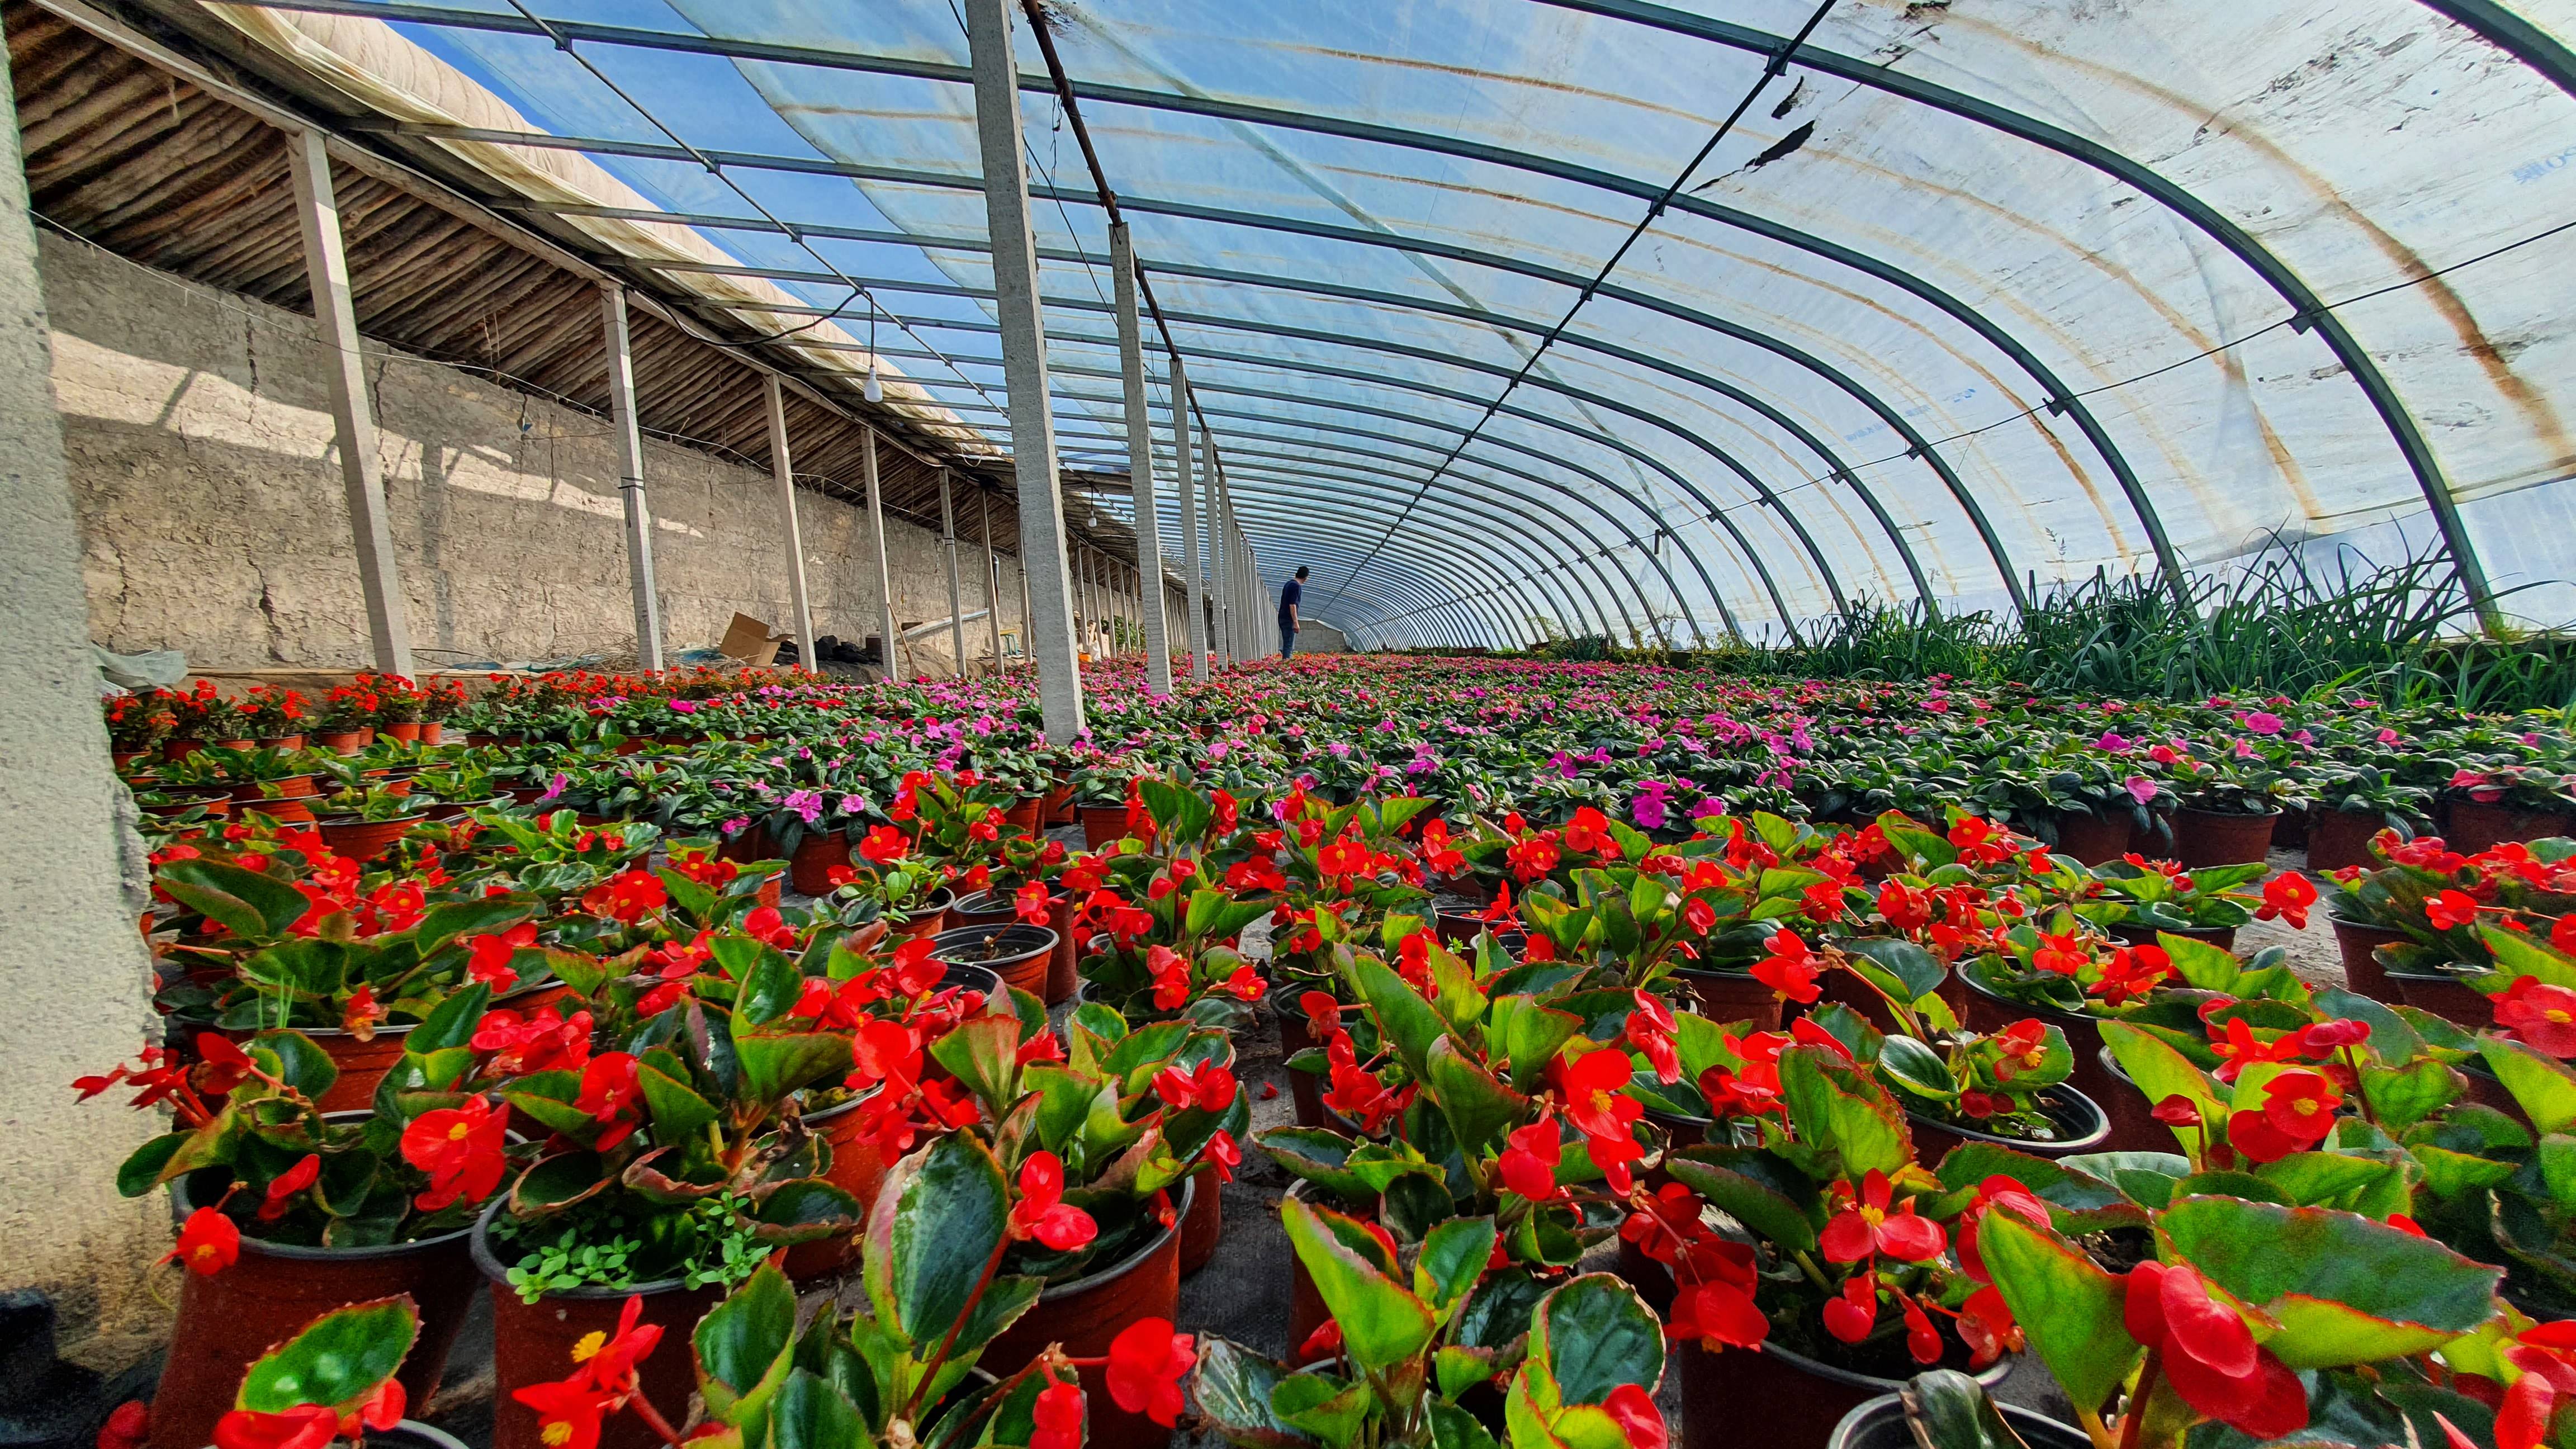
[{"x": 750, "y": 640}]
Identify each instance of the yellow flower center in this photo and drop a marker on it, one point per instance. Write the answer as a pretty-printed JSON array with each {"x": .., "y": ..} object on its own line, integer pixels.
[
  {"x": 2305, "y": 1106},
  {"x": 460, "y": 1132},
  {"x": 2557, "y": 1016},
  {"x": 556, "y": 1433},
  {"x": 1873, "y": 1216},
  {"x": 589, "y": 1346}
]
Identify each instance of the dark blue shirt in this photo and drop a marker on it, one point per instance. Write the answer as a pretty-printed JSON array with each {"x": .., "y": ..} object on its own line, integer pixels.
[{"x": 1290, "y": 593}]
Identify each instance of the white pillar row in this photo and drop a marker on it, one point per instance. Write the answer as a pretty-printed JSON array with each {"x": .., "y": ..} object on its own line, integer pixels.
[
  {"x": 1185, "y": 484},
  {"x": 956, "y": 595},
  {"x": 630, "y": 478},
  {"x": 992, "y": 575},
  {"x": 353, "y": 418},
  {"x": 1221, "y": 543},
  {"x": 1024, "y": 367},
  {"x": 891, "y": 658},
  {"x": 790, "y": 536}
]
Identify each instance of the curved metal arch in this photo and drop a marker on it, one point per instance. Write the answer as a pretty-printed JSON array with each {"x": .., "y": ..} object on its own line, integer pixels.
[
  {"x": 2520, "y": 38},
  {"x": 2307, "y": 308},
  {"x": 1750, "y": 557},
  {"x": 1505, "y": 584},
  {"x": 1373, "y": 435},
  {"x": 1833, "y": 584},
  {"x": 1449, "y": 615},
  {"x": 1290, "y": 470}
]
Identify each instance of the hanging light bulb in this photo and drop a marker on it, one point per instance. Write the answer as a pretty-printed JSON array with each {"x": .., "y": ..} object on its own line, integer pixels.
[{"x": 874, "y": 388}]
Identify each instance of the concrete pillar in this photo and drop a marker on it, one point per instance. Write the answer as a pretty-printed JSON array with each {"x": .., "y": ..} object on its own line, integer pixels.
[
  {"x": 72, "y": 878},
  {"x": 790, "y": 536},
  {"x": 1024, "y": 365},
  {"x": 956, "y": 595},
  {"x": 1193, "y": 566},
  {"x": 1024, "y": 610},
  {"x": 353, "y": 418},
  {"x": 630, "y": 478},
  {"x": 891, "y": 660},
  {"x": 992, "y": 575}
]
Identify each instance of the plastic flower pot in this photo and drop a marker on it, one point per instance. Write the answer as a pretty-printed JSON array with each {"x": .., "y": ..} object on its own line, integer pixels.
[
  {"x": 810, "y": 865},
  {"x": 1102, "y": 824},
  {"x": 1085, "y": 1315},
  {"x": 752, "y": 842},
  {"x": 342, "y": 742},
  {"x": 858, "y": 1168},
  {"x": 230, "y": 1318},
  {"x": 1059, "y": 806},
  {"x": 2362, "y": 972},
  {"x": 2477, "y": 825},
  {"x": 281, "y": 742},
  {"x": 1024, "y": 813},
  {"x": 984, "y": 908},
  {"x": 2205, "y": 838},
  {"x": 2132, "y": 1128},
  {"x": 289, "y": 787},
  {"x": 2093, "y": 839},
  {"x": 2133, "y": 934},
  {"x": 928, "y": 918},
  {"x": 1306, "y": 1310},
  {"x": 1733, "y": 996},
  {"x": 217, "y": 803},
  {"x": 362, "y": 1064},
  {"x": 407, "y": 731},
  {"x": 2446, "y": 996},
  {"x": 362, "y": 840},
  {"x": 532, "y": 1343},
  {"x": 1798, "y": 1401},
  {"x": 1305, "y": 1089},
  {"x": 1203, "y": 1226},
  {"x": 433, "y": 731},
  {"x": 2082, "y": 1126},
  {"x": 1063, "y": 974},
  {"x": 1881, "y": 1424},
  {"x": 2339, "y": 838},
  {"x": 1019, "y": 954}
]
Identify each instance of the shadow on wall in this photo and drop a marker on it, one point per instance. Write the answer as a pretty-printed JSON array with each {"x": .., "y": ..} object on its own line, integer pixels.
[{"x": 198, "y": 432}]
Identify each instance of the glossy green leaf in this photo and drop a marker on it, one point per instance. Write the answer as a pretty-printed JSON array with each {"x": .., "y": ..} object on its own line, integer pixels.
[
  {"x": 1322, "y": 1405},
  {"x": 1588, "y": 1337},
  {"x": 2541, "y": 1085},
  {"x": 2345, "y": 1289},
  {"x": 1453, "y": 1257},
  {"x": 1839, "y": 1107},
  {"x": 1382, "y": 1324},
  {"x": 1480, "y": 1109},
  {"x": 2069, "y": 1309},
  {"x": 1411, "y": 1026},
  {"x": 1753, "y": 1187},
  {"x": 940, "y": 1217},
  {"x": 775, "y": 1063},
  {"x": 743, "y": 1345},
  {"x": 984, "y": 1054},
  {"x": 1232, "y": 1386},
  {"x": 337, "y": 1360}
]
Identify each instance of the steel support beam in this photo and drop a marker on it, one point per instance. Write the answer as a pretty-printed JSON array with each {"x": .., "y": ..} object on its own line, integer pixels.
[
  {"x": 630, "y": 479},
  {"x": 353, "y": 417},
  {"x": 956, "y": 597},
  {"x": 791, "y": 537},
  {"x": 1187, "y": 487},
  {"x": 1024, "y": 358},
  {"x": 890, "y": 657}
]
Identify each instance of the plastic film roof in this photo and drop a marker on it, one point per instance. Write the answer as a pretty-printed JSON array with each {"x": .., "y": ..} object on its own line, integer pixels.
[{"x": 1975, "y": 296}]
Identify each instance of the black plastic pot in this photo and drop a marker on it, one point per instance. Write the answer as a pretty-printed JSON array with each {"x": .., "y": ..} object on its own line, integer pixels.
[
  {"x": 1881, "y": 1424},
  {"x": 1018, "y": 954},
  {"x": 2082, "y": 1126}
]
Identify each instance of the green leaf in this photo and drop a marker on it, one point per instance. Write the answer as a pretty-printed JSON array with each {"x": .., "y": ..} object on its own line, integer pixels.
[
  {"x": 2544, "y": 1088},
  {"x": 1382, "y": 1325},
  {"x": 1950, "y": 1410},
  {"x": 2069, "y": 1309},
  {"x": 339, "y": 1359},
  {"x": 938, "y": 1220},
  {"x": 984, "y": 1052},
  {"x": 1480, "y": 1109},
  {"x": 1526, "y": 1036},
  {"x": 1590, "y": 1336},
  {"x": 2364, "y": 1185},
  {"x": 142, "y": 1171},
  {"x": 295, "y": 1059},
  {"x": 679, "y": 1113},
  {"x": 2345, "y": 1290},
  {"x": 448, "y": 920},
  {"x": 2158, "y": 1071},
  {"x": 2403, "y": 1096},
  {"x": 1902, "y": 969},
  {"x": 1453, "y": 1257},
  {"x": 770, "y": 982},
  {"x": 1838, "y": 1106},
  {"x": 809, "y": 1413},
  {"x": 1233, "y": 1385},
  {"x": 743, "y": 1344},
  {"x": 1322, "y": 1405},
  {"x": 251, "y": 904},
  {"x": 1410, "y": 1025},
  {"x": 1753, "y": 1187},
  {"x": 1916, "y": 1068},
  {"x": 777, "y": 1063}
]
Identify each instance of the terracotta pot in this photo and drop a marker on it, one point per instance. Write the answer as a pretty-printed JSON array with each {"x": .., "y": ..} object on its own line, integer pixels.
[
  {"x": 1203, "y": 1227},
  {"x": 2132, "y": 1128},
  {"x": 362, "y": 1064},
  {"x": 1102, "y": 825},
  {"x": 2338, "y": 838},
  {"x": 1305, "y": 1089},
  {"x": 296, "y": 810},
  {"x": 2477, "y": 826},
  {"x": 230, "y": 1318},
  {"x": 343, "y": 742},
  {"x": 632, "y": 745},
  {"x": 810, "y": 864},
  {"x": 1306, "y": 1310},
  {"x": 859, "y": 1169},
  {"x": 2207, "y": 837},
  {"x": 2093, "y": 839},
  {"x": 1085, "y": 1315},
  {"x": 1733, "y": 996},
  {"x": 2362, "y": 972},
  {"x": 928, "y": 919},
  {"x": 532, "y": 1344},
  {"x": 2223, "y": 937},
  {"x": 281, "y": 742},
  {"x": 123, "y": 758},
  {"x": 218, "y": 804},
  {"x": 407, "y": 731},
  {"x": 1059, "y": 806},
  {"x": 2446, "y": 996},
  {"x": 753, "y": 843},
  {"x": 1797, "y": 1401},
  {"x": 2082, "y": 1125},
  {"x": 433, "y": 731},
  {"x": 1024, "y": 813},
  {"x": 1881, "y": 1424},
  {"x": 180, "y": 747},
  {"x": 1062, "y": 973},
  {"x": 363, "y": 840},
  {"x": 1020, "y": 955}
]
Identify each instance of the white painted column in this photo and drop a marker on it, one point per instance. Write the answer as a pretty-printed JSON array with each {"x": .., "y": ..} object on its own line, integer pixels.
[
  {"x": 353, "y": 418},
  {"x": 956, "y": 596},
  {"x": 1221, "y": 546},
  {"x": 792, "y": 537},
  {"x": 1193, "y": 565},
  {"x": 992, "y": 575},
  {"x": 890, "y": 659},
  {"x": 1024, "y": 364},
  {"x": 630, "y": 479}
]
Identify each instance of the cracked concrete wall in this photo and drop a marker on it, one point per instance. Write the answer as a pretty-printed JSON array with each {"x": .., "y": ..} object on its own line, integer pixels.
[
  {"x": 197, "y": 428},
  {"x": 74, "y": 969}
]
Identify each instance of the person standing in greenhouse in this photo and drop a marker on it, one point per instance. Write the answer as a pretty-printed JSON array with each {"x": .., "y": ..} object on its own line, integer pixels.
[{"x": 1289, "y": 593}]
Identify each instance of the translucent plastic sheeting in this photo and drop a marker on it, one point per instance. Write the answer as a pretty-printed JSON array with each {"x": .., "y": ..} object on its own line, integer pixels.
[{"x": 1977, "y": 294}]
